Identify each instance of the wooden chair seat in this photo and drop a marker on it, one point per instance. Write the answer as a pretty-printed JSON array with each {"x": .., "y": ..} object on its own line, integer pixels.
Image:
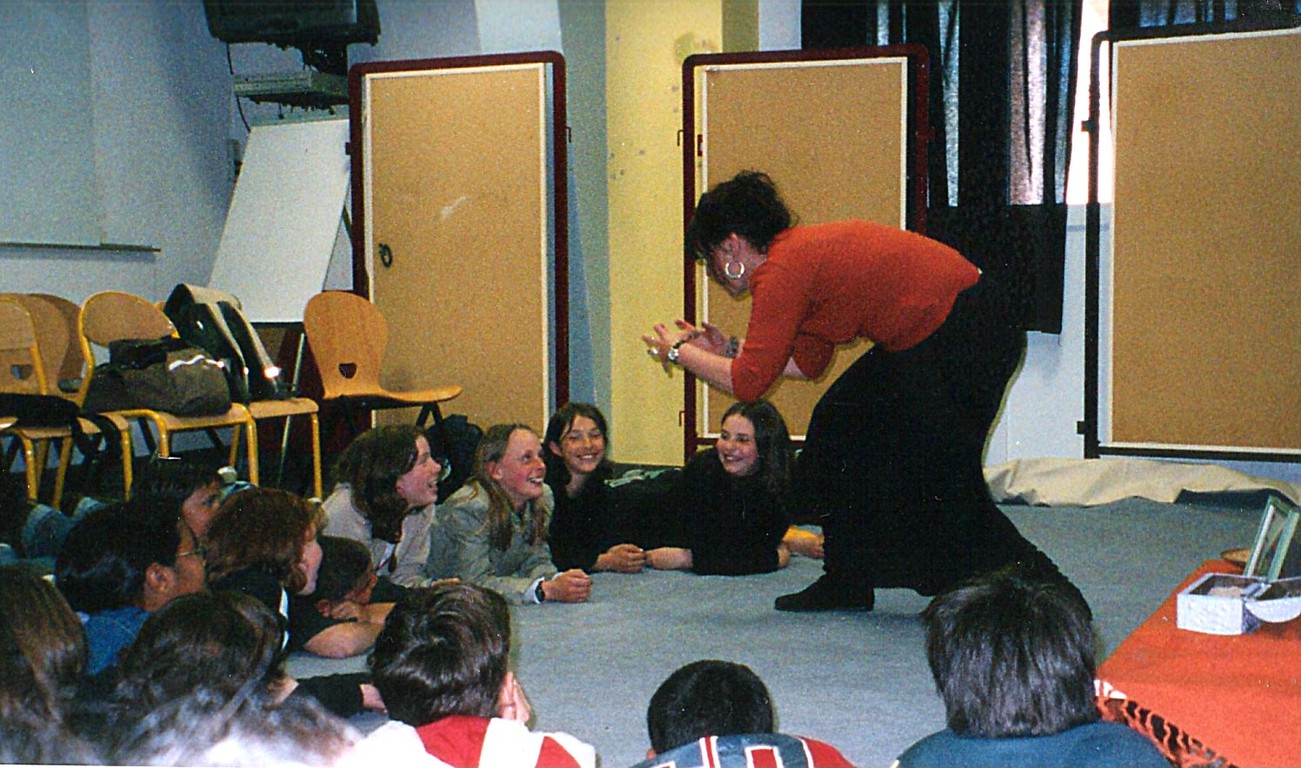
[
  {"x": 348, "y": 335},
  {"x": 261, "y": 410}
]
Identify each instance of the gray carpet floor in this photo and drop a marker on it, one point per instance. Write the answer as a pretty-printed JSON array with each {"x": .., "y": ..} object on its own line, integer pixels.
[{"x": 856, "y": 680}]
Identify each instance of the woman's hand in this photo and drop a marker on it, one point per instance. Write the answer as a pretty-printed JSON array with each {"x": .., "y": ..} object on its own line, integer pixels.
[
  {"x": 705, "y": 354},
  {"x": 711, "y": 338},
  {"x": 659, "y": 344},
  {"x": 572, "y": 586},
  {"x": 622, "y": 558}
]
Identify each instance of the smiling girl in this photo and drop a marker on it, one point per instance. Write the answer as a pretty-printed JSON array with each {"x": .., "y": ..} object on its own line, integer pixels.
[
  {"x": 388, "y": 483},
  {"x": 585, "y": 531},
  {"x": 492, "y": 532},
  {"x": 734, "y": 500}
]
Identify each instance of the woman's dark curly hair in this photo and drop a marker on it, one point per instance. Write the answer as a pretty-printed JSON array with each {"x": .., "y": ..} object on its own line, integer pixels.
[{"x": 747, "y": 204}]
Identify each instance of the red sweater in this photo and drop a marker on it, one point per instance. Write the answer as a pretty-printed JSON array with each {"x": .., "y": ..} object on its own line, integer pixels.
[
  {"x": 461, "y": 740},
  {"x": 828, "y": 284}
]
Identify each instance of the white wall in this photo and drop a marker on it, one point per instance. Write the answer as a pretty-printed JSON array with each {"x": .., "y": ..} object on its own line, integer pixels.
[{"x": 160, "y": 177}]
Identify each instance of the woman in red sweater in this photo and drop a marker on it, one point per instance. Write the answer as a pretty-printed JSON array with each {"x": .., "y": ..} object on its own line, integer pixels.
[{"x": 892, "y": 463}]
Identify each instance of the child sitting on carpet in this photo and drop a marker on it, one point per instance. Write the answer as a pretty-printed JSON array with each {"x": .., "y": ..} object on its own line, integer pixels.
[
  {"x": 1013, "y": 659},
  {"x": 441, "y": 666},
  {"x": 711, "y": 713}
]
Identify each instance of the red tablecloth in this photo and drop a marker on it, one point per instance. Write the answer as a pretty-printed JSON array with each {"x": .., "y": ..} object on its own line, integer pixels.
[{"x": 1239, "y": 696}]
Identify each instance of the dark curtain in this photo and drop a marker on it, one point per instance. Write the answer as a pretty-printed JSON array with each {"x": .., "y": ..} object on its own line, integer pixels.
[
  {"x": 1125, "y": 14},
  {"x": 1001, "y": 92}
]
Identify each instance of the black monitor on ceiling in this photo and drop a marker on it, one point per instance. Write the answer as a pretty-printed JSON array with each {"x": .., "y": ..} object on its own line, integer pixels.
[{"x": 321, "y": 29}]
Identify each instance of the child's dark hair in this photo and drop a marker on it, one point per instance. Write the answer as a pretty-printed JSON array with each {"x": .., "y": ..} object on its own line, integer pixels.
[
  {"x": 167, "y": 481},
  {"x": 708, "y": 698},
  {"x": 561, "y": 422},
  {"x": 443, "y": 651},
  {"x": 344, "y": 562},
  {"x": 772, "y": 440}
]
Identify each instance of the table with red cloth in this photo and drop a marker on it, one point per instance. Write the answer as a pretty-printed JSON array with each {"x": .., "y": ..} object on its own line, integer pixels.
[{"x": 1209, "y": 699}]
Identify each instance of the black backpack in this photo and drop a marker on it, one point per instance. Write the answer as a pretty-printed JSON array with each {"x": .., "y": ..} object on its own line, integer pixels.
[
  {"x": 213, "y": 321},
  {"x": 54, "y": 411},
  {"x": 455, "y": 438}
]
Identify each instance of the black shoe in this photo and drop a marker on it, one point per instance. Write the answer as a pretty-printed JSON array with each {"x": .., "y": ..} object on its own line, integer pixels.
[{"x": 826, "y": 594}]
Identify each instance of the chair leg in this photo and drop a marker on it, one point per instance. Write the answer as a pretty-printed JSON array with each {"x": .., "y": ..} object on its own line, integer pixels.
[
  {"x": 61, "y": 476},
  {"x": 42, "y": 459},
  {"x": 234, "y": 446},
  {"x": 316, "y": 456},
  {"x": 284, "y": 450},
  {"x": 164, "y": 441},
  {"x": 427, "y": 410},
  {"x": 128, "y": 456},
  {"x": 250, "y": 427},
  {"x": 32, "y": 471}
]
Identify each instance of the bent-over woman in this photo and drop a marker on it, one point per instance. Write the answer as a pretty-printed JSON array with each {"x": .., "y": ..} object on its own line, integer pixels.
[{"x": 893, "y": 456}]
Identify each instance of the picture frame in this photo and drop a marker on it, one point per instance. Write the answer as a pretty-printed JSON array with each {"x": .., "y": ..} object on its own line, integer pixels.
[{"x": 1276, "y": 552}]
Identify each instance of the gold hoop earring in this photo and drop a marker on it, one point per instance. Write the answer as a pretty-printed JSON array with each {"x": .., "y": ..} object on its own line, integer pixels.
[{"x": 728, "y": 274}]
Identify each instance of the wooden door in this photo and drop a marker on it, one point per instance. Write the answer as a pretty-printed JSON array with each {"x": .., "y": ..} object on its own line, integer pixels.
[{"x": 462, "y": 215}]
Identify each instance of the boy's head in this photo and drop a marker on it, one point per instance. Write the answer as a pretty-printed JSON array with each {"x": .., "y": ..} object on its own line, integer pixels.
[
  {"x": 169, "y": 486},
  {"x": 1011, "y": 656},
  {"x": 346, "y": 572},
  {"x": 707, "y": 698},
  {"x": 443, "y": 651},
  {"x": 117, "y": 556}
]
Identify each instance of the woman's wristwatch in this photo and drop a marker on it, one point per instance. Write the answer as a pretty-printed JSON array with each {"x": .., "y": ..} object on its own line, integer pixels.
[{"x": 673, "y": 353}]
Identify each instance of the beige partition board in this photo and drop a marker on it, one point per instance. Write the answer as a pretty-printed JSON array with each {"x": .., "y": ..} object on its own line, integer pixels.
[
  {"x": 1205, "y": 268},
  {"x": 457, "y": 234},
  {"x": 832, "y": 136}
]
